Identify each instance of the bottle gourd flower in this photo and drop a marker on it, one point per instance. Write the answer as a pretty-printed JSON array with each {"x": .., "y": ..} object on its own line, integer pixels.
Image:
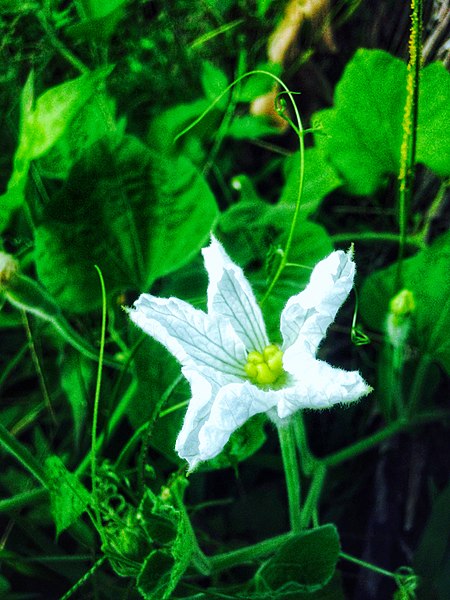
[{"x": 233, "y": 369}]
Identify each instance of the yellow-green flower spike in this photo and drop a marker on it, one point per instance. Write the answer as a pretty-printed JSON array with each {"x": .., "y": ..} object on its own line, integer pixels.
[{"x": 265, "y": 367}]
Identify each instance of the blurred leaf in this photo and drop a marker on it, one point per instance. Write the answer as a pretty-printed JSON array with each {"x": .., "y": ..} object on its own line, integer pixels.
[
  {"x": 98, "y": 8},
  {"x": 102, "y": 21},
  {"x": 26, "y": 294},
  {"x": 258, "y": 84},
  {"x": 4, "y": 585},
  {"x": 263, "y": 6},
  {"x": 154, "y": 580},
  {"x": 76, "y": 376},
  {"x": 125, "y": 209},
  {"x": 41, "y": 125},
  {"x": 214, "y": 82},
  {"x": 250, "y": 127},
  {"x": 427, "y": 275},
  {"x": 362, "y": 134},
  {"x": 432, "y": 558},
  {"x": 54, "y": 110},
  {"x": 320, "y": 179},
  {"x": 68, "y": 498},
  {"x": 167, "y": 124},
  {"x": 94, "y": 121},
  {"x": 308, "y": 559}
]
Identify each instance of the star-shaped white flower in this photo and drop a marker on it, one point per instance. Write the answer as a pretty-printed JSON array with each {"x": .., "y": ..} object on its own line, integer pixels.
[{"x": 233, "y": 369}]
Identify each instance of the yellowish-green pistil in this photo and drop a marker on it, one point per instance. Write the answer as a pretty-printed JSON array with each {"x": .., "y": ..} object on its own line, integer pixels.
[{"x": 266, "y": 366}]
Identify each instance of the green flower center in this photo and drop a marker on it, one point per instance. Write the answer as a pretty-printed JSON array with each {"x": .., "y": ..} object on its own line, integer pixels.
[{"x": 266, "y": 366}]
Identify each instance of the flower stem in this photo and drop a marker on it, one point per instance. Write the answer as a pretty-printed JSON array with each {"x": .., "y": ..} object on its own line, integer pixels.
[
  {"x": 227, "y": 560},
  {"x": 291, "y": 471}
]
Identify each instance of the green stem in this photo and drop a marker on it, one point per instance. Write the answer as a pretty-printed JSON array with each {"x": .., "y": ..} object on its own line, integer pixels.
[
  {"x": 314, "y": 492},
  {"x": 96, "y": 404},
  {"x": 373, "y": 236},
  {"x": 307, "y": 459},
  {"x": 224, "y": 561},
  {"x": 199, "y": 560},
  {"x": 23, "y": 455},
  {"x": 292, "y": 474},
  {"x": 23, "y": 499},
  {"x": 417, "y": 385},
  {"x": 300, "y": 132},
  {"x": 378, "y": 437},
  {"x": 366, "y": 565}
]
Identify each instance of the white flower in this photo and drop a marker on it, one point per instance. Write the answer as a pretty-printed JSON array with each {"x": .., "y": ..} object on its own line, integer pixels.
[{"x": 233, "y": 369}]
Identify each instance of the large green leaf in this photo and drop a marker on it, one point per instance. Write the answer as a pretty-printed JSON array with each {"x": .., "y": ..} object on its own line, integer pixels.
[
  {"x": 362, "y": 134},
  {"x": 135, "y": 214},
  {"x": 308, "y": 559},
  {"x": 427, "y": 275},
  {"x": 42, "y": 123},
  {"x": 320, "y": 178}
]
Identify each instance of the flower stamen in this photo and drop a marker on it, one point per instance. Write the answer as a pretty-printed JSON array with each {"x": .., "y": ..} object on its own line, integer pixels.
[{"x": 265, "y": 367}]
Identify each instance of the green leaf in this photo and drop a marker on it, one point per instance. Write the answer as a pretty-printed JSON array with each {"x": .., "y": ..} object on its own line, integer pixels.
[
  {"x": 427, "y": 275},
  {"x": 308, "y": 559},
  {"x": 135, "y": 214},
  {"x": 166, "y": 125},
  {"x": 4, "y": 585},
  {"x": 263, "y": 6},
  {"x": 54, "y": 110},
  {"x": 362, "y": 134},
  {"x": 76, "y": 377},
  {"x": 163, "y": 568},
  {"x": 320, "y": 178},
  {"x": 98, "y": 8},
  {"x": 250, "y": 127},
  {"x": 94, "y": 121},
  {"x": 431, "y": 558},
  {"x": 214, "y": 82},
  {"x": 101, "y": 22},
  {"x": 433, "y": 132},
  {"x": 41, "y": 125},
  {"x": 154, "y": 580},
  {"x": 68, "y": 498}
]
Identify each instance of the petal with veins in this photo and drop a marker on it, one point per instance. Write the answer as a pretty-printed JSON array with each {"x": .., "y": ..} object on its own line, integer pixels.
[
  {"x": 307, "y": 315},
  {"x": 203, "y": 390},
  {"x": 190, "y": 335},
  {"x": 231, "y": 297},
  {"x": 316, "y": 384},
  {"x": 234, "y": 405}
]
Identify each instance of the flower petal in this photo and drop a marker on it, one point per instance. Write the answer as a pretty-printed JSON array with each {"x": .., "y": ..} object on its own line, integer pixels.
[
  {"x": 316, "y": 384},
  {"x": 190, "y": 335},
  {"x": 203, "y": 390},
  {"x": 234, "y": 405},
  {"x": 307, "y": 315},
  {"x": 230, "y": 296}
]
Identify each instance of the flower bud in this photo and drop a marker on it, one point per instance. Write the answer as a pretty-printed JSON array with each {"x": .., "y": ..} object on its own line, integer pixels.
[{"x": 8, "y": 268}]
